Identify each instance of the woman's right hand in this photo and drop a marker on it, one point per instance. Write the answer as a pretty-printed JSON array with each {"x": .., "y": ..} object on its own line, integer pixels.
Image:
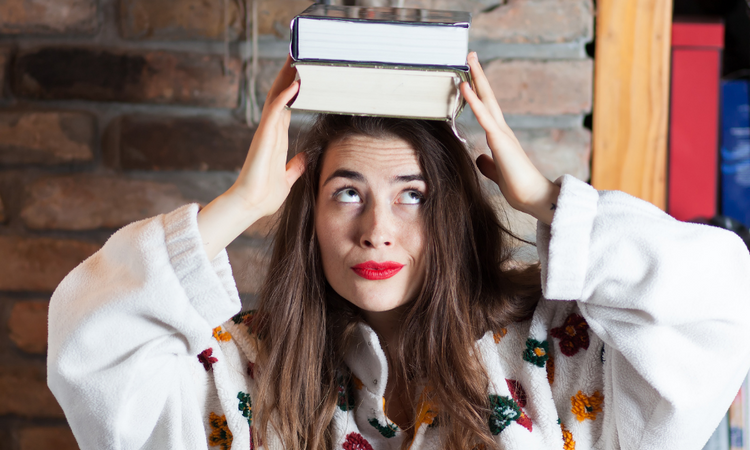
[{"x": 265, "y": 179}]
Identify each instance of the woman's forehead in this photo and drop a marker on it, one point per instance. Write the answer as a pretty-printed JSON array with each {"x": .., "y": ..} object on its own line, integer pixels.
[{"x": 368, "y": 153}]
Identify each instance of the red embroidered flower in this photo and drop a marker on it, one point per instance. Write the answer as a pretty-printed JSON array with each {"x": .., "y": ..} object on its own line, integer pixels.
[
  {"x": 573, "y": 335},
  {"x": 251, "y": 369},
  {"x": 206, "y": 359},
  {"x": 524, "y": 421},
  {"x": 519, "y": 396},
  {"x": 355, "y": 441},
  {"x": 517, "y": 392}
]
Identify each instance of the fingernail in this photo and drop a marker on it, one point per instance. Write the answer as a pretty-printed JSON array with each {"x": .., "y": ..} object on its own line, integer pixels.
[{"x": 473, "y": 55}]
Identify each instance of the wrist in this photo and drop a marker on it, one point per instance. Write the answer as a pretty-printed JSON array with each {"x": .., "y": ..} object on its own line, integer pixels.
[
  {"x": 544, "y": 205},
  {"x": 222, "y": 220}
]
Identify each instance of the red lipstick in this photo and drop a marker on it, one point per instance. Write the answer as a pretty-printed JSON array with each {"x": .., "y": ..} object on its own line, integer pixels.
[{"x": 372, "y": 270}]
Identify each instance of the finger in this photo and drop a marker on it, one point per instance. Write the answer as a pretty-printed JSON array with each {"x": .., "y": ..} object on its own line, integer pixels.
[
  {"x": 484, "y": 117},
  {"x": 295, "y": 168},
  {"x": 284, "y": 98},
  {"x": 488, "y": 168},
  {"x": 484, "y": 90},
  {"x": 284, "y": 78}
]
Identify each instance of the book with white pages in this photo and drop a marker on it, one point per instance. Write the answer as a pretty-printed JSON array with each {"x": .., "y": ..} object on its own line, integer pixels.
[
  {"x": 381, "y": 35},
  {"x": 380, "y": 90}
]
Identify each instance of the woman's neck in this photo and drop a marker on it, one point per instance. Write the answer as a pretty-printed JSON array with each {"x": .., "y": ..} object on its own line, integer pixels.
[{"x": 386, "y": 325}]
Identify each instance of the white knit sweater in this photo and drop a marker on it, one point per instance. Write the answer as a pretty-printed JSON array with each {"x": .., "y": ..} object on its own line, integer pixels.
[{"x": 641, "y": 341}]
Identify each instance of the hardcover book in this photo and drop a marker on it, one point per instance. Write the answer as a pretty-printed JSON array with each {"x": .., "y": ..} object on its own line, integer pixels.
[
  {"x": 381, "y": 35},
  {"x": 380, "y": 90}
]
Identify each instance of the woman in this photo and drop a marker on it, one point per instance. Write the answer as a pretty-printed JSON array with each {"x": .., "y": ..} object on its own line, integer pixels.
[{"x": 393, "y": 315}]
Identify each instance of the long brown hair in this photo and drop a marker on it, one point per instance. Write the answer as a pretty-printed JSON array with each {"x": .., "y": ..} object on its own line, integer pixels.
[{"x": 470, "y": 288}]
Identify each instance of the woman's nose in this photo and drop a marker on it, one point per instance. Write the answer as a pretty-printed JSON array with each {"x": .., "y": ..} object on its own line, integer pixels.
[{"x": 377, "y": 227}]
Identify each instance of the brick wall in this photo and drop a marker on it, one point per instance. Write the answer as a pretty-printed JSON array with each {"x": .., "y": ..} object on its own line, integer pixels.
[{"x": 116, "y": 110}]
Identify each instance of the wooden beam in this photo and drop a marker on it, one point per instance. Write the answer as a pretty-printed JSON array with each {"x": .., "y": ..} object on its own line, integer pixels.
[{"x": 631, "y": 97}]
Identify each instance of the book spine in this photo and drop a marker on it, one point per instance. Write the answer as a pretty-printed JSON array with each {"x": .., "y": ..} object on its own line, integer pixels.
[
  {"x": 735, "y": 150},
  {"x": 693, "y": 134}
]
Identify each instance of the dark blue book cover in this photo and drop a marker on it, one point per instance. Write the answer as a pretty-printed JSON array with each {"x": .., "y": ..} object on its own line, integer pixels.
[{"x": 735, "y": 150}]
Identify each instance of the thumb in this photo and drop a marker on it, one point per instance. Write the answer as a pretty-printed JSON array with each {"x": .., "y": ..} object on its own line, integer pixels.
[
  {"x": 486, "y": 165},
  {"x": 295, "y": 168}
]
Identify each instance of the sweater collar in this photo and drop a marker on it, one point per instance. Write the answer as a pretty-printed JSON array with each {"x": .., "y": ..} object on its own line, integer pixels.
[{"x": 366, "y": 359}]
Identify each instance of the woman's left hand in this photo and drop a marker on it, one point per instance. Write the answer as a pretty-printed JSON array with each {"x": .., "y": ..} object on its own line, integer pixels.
[{"x": 523, "y": 186}]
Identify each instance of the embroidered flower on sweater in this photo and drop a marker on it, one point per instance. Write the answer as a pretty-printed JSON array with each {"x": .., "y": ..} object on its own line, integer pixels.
[
  {"x": 503, "y": 411},
  {"x": 221, "y": 335},
  {"x": 220, "y": 434},
  {"x": 519, "y": 396},
  {"x": 517, "y": 392},
  {"x": 388, "y": 430},
  {"x": 568, "y": 442},
  {"x": 499, "y": 335},
  {"x": 251, "y": 369},
  {"x": 246, "y": 318},
  {"x": 573, "y": 335},
  {"x": 586, "y": 407},
  {"x": 206, "y": 359},
  {"x": 355, "y": 441},
  {"x": 245, "y": 406},
  {"x": 357, "y": 383},
  {"x": 427, "y": 411},
  {"x": 551, "y": 369},
  {"x": 536, "y": 352}
]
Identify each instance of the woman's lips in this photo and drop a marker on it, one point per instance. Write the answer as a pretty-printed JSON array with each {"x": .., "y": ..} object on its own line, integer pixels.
[{"x": 372, "y": 270}]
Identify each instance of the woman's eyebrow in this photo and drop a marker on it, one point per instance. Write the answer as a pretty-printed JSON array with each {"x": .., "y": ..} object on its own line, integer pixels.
[
  {"x": 345, "y": 173},
  {"x": 408, "y": 178}
]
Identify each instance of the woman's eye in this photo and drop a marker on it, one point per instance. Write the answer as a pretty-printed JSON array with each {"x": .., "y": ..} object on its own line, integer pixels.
[
  {"x": 411, "y": 198},
  {"x": 347, "y": 196}
]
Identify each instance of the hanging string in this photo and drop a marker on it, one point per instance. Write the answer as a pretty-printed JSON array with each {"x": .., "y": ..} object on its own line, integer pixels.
[{"x": 252, "y": 110}]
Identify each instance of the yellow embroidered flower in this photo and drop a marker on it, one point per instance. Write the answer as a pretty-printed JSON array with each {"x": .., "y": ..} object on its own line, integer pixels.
[
  {"x": 220, "y": 434},
  {"x": 427, "y": 410},
  {"x": 221, "y": 335},
  {"x": 357, "y": 383},
  {"x": 568, "y": 442},
  {"x": 586, "y": 407},
  {"x": 499, "y": 335}
]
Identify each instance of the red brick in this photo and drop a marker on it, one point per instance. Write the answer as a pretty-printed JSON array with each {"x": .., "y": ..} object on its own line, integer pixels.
[
  {"x": 48, "y": 16},
  {"x": 178, "y": 19},
  {"x": 249, "y": 266},
  {"x": 54, "y": 73},
  {"x": 543, "y": 88},
  {"x": 28, "y": 325},
  {"x": 38, "y": 438},
  {"x": 39, "y": 264},
  {"x": 151, "y": 143},
  {"x": 533, "y": 21},
  {"x": 25, "y": 393},
  {"x": 202, "y": 19},
  {"x": 86, "y": 201},
  {"x": 46, "y": 137}
]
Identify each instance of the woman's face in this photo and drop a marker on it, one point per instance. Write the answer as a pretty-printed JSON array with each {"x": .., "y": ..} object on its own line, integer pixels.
[{"x": 369, "y": 224}]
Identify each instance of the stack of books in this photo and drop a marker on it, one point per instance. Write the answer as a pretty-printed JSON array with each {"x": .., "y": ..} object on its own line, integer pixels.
[{"x": 392, "y": 62}]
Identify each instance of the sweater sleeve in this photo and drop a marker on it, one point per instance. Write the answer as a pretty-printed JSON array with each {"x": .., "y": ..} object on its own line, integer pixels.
[
  {"x": 670, "y": 300},
  {"x": 125, "y": 324}
]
